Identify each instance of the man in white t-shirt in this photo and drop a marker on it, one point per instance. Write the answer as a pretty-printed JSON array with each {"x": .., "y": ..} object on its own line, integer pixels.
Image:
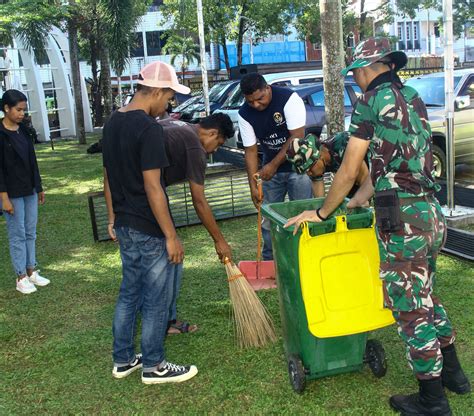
[{"x": 273, "y": 116}]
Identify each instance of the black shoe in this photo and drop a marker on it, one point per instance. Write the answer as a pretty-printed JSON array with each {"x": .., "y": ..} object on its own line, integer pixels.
[
  {"x": 430, "y": 401},
  {"x": 121, "y": 372},
  {"x": 170, "y": 373},
  {"x": 452, "y": 376}
]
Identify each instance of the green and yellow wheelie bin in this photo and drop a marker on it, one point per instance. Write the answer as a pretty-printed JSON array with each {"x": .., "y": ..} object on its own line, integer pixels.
[{"x": 329, "y": 290}]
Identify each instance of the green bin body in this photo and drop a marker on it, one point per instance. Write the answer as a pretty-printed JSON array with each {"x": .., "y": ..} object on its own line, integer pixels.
[{"x": 320, "y": 356}]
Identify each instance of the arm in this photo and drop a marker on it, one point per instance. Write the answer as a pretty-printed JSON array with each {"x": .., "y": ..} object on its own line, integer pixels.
[
  {"x": 249, "y": 140},
  {"x": 110, "y": 209},
  {"x": 7, "y": 206},
  {"x": 159, "y": 206},
  {"x": 342, "y": 183},
  {"x": 318, "y": 188},
  {"x": 205, "y": 214},
  {"x": 363, "y": 194},
  {"x": 251, "y": 162}
]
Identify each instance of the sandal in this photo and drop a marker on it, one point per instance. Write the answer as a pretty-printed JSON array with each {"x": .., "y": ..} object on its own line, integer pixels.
[{"x": 181, "y": 327}]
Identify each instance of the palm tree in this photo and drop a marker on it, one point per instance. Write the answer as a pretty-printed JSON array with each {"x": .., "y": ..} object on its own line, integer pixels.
[
  {"x": 31, "y": 21},
  {"x": 184, "y": 47}
]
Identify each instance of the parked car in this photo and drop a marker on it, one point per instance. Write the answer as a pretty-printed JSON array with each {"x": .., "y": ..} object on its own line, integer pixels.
[
  {"x": 431, "y": 89},
  {"x": 236, "y": 99},
  {"x": 313, "y": 98},
  {"x": 196, "y": 110}
]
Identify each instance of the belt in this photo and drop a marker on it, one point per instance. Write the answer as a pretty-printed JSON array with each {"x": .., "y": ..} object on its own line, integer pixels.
[{"x": 413, "y": 199}]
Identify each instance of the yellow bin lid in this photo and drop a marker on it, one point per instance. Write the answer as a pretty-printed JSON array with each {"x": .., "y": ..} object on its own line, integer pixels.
[{"x": 340, "y": 283}]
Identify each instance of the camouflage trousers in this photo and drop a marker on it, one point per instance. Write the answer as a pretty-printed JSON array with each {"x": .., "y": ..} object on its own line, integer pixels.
[{"x": 408, "y": 269}]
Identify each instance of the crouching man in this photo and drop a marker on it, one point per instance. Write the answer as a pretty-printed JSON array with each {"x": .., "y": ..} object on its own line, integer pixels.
[{"x": 187, "y": 147}]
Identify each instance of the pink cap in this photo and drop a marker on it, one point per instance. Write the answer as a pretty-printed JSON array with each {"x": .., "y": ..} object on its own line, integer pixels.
[{"x": 161, "y": 75}]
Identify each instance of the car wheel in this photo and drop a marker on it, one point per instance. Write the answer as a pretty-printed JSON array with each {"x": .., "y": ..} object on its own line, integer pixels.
[{"x": 439, "y": 162}]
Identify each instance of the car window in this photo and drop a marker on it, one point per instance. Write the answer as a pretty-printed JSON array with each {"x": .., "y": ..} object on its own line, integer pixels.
[
  {"x": 282, "y": 83},
  {"x": 310, "y": 80},
  {"x": 217, "y": 92},
  {"x": 318, "y": 99},
  {"x": 431, "y": 89},
  {"x": 468, "y": 89},
  {"x": 235, "y": 100}
]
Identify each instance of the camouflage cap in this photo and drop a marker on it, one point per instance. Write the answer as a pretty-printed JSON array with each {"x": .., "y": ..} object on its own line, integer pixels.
[
  {"x": 371, "y": 50},
  {"x": 303, "y": 153}
]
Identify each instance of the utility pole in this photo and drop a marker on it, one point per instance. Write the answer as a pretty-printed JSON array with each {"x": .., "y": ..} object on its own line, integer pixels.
[
  {"x": 449, "y": 98},
  {"x": 202, "y": 47},
  {"x": 76, "y": 73},
  {"x": 333, "y": 59}
]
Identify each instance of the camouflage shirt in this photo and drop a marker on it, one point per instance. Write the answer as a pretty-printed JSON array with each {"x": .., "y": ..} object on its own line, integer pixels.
[{"x": 395, "y": 120}]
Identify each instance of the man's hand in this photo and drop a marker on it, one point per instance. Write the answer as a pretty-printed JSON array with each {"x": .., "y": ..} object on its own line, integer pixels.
[
  {"x": 111, "y": 231},
  {"x": 305, "y": 216},
  {"x": 223, "y": 250},
  {"x": 175, "y": 250},
  {"x": 41, "y": 198},
  {"x": 256, "y": 199},
  {"x": 267, "y": 172},
  {"x": 7, "y": 206}
]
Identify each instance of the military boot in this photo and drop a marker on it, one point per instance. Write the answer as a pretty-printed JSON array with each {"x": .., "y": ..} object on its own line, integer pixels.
[
  {"x": 452, "y": 376},
  {"x": 429, "y": 401}
]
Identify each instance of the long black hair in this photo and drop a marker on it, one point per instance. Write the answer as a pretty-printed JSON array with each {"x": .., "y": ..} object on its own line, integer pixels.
[{"x": 12, "y": 98}]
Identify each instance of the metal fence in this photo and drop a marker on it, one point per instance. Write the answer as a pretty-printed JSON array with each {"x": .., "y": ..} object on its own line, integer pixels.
[{"x": 227, "y": 192}]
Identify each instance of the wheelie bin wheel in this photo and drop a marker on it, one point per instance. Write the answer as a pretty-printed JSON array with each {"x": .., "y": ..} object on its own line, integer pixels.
[
  {"x": 375, "y": 357},
  {"x": 297, "y": 373}
]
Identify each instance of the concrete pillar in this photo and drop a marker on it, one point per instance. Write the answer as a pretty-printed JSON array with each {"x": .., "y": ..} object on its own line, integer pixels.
[{"x": 35, "y": 93}]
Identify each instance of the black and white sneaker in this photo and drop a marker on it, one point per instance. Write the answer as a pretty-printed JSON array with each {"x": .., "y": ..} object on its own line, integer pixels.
[
  {"x": 121, "y": 372},
  {"x": 170, "y": 373}
]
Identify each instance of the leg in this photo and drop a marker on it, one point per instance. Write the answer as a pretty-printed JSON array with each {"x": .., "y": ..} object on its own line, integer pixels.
[
  {"x": 31, "y": 220},
  {"x": 299, "y": 187},
  {"x": 157, "y": 285},
  {"x": 274, "y": 190},
  {"x": 176, "y": 274},
  {"x": 17, "y": 237},
  {"x": 128, "y": 301}
]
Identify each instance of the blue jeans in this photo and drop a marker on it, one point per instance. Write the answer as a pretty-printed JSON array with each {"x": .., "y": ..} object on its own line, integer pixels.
[
  {"x": 275, "y": 190},
  {"x": 21, "y": 228},
  {"x": 177, "y": 275},
  {"x": 147, "y": 285}
]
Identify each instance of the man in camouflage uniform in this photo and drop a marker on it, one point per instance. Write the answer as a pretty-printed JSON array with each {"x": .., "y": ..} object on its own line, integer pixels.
[
  {"x": 390, "y": 121},
  {"x": 315, "y": 157}
]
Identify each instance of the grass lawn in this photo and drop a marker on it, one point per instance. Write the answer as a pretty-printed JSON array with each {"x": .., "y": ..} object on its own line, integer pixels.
[{"x": 56, "y": 344}]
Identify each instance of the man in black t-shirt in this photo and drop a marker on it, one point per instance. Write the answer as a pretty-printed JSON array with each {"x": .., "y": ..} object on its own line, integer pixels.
[
  {"x": 187, "y": 147},
  {"x": 139, "y": 218}
]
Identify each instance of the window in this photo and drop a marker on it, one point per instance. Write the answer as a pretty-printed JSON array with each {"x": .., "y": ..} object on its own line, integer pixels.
[
  {"x": 153, "y": 46},
  {"x": 400, "y": 31},
  {"x": 137, "y": 46},
  {"x": 408, "y": 32},
  {"x": 416, "y": 29},
  {"x": 318, "y": 98}
]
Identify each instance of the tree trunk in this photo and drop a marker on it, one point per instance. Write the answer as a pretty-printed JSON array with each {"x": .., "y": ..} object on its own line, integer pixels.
[
  {"x": 96, "y": 96},
  {"x": 240, "y": 42},
  {"x": 106, "y": 87},
  {"x": 363, "y": 18},
  {"x": 333, "y": 58},
  {"x": 226, "y": 55},
  {"x": 76, "y": 75}
]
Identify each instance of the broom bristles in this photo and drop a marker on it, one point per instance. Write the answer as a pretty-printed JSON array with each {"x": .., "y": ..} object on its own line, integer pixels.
[{"x": 253, "y": 324}]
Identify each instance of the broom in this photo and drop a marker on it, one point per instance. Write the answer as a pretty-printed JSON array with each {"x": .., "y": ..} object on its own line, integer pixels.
[{"x": 253, "y": 325}]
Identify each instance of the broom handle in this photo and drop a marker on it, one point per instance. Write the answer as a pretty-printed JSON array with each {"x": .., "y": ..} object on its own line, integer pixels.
[{"x": 259, "y": 221}]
